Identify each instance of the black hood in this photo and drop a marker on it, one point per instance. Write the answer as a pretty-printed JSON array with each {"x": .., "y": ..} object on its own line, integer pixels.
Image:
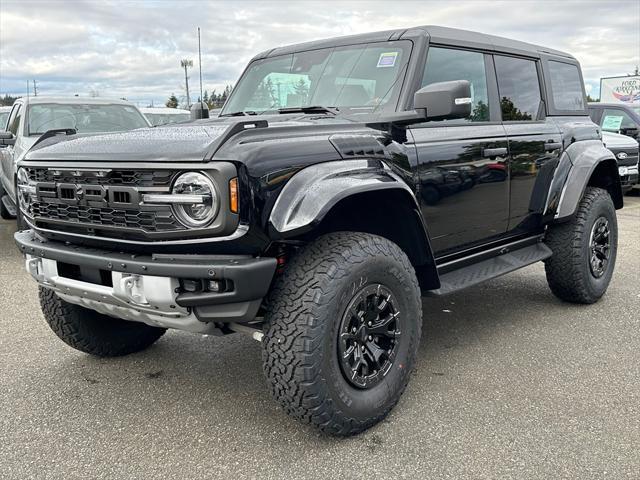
[{"x": 189, "y": 142}]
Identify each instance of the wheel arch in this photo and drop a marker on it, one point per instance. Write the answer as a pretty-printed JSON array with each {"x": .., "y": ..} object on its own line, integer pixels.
[
  {"x": 359, "y": 195},
  {"x": 592, "y": 165}
]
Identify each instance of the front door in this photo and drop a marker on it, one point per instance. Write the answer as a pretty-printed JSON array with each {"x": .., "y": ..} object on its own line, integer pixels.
[
  {"x": 7, "y": 153},
  {"x": 463, "y": 169}
]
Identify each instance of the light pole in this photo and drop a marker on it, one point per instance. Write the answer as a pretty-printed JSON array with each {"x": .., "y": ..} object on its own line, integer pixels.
[{"x": 186, "y": 63}]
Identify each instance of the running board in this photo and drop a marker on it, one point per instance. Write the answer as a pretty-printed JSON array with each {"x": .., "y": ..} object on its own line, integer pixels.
[
  {"x": 9, "y": 205},
  {"x": 493, "y": 267}
]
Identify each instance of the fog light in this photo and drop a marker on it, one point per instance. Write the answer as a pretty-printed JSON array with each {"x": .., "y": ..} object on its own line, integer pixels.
[{"x": 213, "y": 285}]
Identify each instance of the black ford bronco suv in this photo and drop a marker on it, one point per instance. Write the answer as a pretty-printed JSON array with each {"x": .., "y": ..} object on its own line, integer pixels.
[{"x": 344, "y": 180}]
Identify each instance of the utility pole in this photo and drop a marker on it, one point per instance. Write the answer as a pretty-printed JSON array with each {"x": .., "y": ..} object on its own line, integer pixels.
[
  {"x": 186, "y": 63},
  {"x": 35, "y": 88}
]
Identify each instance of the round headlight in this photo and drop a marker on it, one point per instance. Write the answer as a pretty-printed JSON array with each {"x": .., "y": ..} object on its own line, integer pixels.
[
  {"x": 204, "y": 211},
  {"x": 24, "y": 190}
]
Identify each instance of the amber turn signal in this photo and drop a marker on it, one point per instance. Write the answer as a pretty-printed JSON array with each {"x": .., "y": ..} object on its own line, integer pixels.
[{"x": 233, "y": 195}]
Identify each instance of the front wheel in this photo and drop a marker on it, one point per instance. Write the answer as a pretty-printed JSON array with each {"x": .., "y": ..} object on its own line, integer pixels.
[
  {"x": 4, "y": 213},
  {"x": 93, "y": 333},
  {"x": 584, "y": 250},
  {"x": 343, "y": 325}
]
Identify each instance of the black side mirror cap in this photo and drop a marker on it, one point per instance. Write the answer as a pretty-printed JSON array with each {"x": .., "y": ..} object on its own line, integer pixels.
[
  {"x": 444, "y": 100},
  {"x": 7, "y": 138}
]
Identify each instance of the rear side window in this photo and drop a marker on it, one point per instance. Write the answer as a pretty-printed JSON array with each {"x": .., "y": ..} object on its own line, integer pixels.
[
  {"x": 566, "y": 87},
  {"x": 519, "y": 88},
  {"x": 445, "y": 64}
]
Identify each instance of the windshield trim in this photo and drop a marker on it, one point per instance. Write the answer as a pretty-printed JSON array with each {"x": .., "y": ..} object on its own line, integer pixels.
[
  {"x": 27, "y": 132},
  {"x": 404, "y": 76}
]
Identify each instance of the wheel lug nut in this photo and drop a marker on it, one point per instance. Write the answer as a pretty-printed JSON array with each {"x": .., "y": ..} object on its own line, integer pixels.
[
  {"x": 369, "y": 324},
  {"x": 370, "y": 338},
  {"x": 353, "y": 329}
]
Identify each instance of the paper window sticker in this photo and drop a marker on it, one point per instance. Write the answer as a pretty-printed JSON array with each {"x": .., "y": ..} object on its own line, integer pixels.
[
  {"x": 387, "y": 59},
  {"x": 612, "y": 122}
]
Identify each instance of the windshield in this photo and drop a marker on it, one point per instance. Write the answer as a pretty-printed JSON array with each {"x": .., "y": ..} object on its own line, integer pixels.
[
  {"x": 3, "y": 119},
  {"x": 88, "y": 118},
  {"x": 164, "y": 118},
  {"x": 355, "y": 79}
]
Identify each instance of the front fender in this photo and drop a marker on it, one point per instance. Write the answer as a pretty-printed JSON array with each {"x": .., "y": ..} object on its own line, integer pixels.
[
  {"x": 585, "y": 157},
  {"x": 312, "y": 192}
]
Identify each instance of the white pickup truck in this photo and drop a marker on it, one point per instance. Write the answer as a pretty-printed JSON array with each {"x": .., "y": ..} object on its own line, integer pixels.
[{"x": 30, "y": 117}]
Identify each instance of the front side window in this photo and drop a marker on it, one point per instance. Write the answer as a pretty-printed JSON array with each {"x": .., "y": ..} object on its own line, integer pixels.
[
  {"x": 446, "y": 64},
  {"x": 14, "y": 120},
  {"x": 4, "y": 116},
  {"x": 356, "y": 79},
  {"x": 87, "y": 118},
  {"x": 518, "y": 87},
  {"x": 614, "y": 120}
]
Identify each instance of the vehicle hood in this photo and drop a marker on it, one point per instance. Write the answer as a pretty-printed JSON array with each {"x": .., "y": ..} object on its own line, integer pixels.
[
  {"x": 186, "y": 142},
  {"x": 615, "y": 140}
]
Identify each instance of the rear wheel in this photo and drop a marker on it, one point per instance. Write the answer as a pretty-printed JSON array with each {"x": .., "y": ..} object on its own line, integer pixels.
[
  {"x": 342, "y": 330},
  {"x": 93, "y": 333},
  {"x": 584, "y": 250}
]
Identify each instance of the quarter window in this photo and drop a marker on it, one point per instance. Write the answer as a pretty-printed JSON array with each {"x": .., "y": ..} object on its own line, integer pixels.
[
  {"x": 519, "y": 88},
  {"x": 446, "y": 64},
  {"x": 566, "y": 87}
]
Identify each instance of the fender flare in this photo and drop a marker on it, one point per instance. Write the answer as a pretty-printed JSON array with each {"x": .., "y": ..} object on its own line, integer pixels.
[
  {"x": 313, "y": 191},
  {"x": 319, "y": 189},
  {"x": 586, "y": 157}
]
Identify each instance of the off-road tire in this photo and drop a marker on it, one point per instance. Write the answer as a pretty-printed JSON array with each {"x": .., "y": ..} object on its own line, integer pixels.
[
  {"x": 568, "y": 271},
  {"x": 304, "y": 311},
  {"x": 93, "y": 333}
]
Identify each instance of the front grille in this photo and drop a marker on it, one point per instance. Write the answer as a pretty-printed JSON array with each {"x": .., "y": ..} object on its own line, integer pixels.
[
  {"x": 632, "y": 156},
  {"x": 108, "y": 204},
  {"x": 160, "y": 220}
]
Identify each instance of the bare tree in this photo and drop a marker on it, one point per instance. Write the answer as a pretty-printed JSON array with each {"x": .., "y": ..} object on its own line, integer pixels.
[{"x": 186, "y": 63}]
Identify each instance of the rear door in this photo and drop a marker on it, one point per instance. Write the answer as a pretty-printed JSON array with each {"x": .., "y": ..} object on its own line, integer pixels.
[
  {"x": 462, "y": 163},
  {"x": 534, "y": 140}
]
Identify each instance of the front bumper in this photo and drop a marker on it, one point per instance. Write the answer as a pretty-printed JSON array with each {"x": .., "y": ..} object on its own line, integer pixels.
[
  {"x": 149, "y": 288},
  {"x": 628, "y": 177}
]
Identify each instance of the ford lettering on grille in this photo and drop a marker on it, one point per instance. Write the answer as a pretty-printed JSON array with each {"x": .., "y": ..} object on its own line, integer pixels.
[{"x": 88, "y": 195}]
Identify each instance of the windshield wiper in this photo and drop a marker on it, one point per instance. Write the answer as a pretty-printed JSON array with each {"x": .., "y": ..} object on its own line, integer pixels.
[
  {"x": 309, "y": 109},
  {"x": 240, "y": 113}
]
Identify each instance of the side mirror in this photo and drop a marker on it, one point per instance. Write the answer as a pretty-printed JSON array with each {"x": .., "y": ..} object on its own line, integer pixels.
[
  {"x": 199, "y": 110},
  {"x": 444, "y": 100},
  {"x": 7, "y": 138}
]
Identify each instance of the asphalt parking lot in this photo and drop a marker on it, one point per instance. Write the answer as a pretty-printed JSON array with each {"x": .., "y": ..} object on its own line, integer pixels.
[{"x": 510, "y": 383}]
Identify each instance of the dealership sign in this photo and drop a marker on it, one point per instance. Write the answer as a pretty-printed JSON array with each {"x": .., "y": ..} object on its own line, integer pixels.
[{"x": 620, "y": 89}]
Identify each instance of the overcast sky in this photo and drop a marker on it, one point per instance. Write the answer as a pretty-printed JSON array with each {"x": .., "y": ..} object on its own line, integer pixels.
[{"x": 133, "y": 48}]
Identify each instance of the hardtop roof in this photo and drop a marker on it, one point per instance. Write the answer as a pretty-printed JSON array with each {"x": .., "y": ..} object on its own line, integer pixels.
[{"x": 436, "y": 34}]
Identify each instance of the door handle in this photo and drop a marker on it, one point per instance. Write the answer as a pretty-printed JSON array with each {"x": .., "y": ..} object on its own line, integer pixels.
[
  {"x": 549, "y": 146},
  {"x": 494, "y": 152}
]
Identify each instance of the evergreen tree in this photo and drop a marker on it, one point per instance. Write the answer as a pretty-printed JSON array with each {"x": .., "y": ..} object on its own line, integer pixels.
[
  {"x": 264, "y": 97},
  {"x": 172, "y": 102}
]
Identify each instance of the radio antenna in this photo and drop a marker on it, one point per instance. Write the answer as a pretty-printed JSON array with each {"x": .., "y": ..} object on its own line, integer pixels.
[{"x": 200, "y": 66}]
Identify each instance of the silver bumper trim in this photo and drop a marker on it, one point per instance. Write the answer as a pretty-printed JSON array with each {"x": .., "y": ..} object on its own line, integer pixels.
[{"x": 140, "y": 298}]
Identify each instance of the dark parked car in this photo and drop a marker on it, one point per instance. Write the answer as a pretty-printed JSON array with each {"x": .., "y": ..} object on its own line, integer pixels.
[
  {"x": 297, "y": 216},
  {"x": 617, "y": 117}
]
